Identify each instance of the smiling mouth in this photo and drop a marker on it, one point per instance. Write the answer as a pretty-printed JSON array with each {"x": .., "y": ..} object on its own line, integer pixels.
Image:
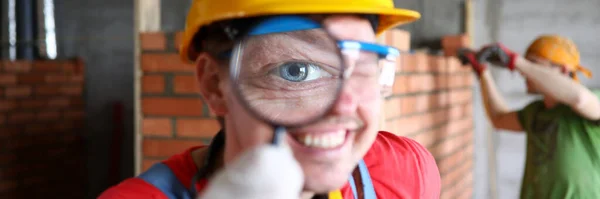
[{"x": 322, "y": 140}]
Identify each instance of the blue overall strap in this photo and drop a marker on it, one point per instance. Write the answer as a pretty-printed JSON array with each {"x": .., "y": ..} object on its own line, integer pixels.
[
  {"x": 161, "y": 177},
  {"x": 368, "y": 189}
]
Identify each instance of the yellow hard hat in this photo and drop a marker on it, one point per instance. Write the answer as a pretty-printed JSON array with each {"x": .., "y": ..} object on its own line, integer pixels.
[
  {"x": 205, "y": 12},
  {"x": 558, "y": 50}
]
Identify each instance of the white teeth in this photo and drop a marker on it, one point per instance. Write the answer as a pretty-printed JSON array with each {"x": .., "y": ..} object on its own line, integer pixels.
[{"x": 326, "y": 140}]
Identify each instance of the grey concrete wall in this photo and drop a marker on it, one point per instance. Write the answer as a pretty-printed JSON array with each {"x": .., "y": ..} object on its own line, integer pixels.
[
  {"x": 173, "y": 14},
  {"x": 516, "y": 23},
  {"x": 438, "y": 18},
  {"x": 101, "y": 32}
]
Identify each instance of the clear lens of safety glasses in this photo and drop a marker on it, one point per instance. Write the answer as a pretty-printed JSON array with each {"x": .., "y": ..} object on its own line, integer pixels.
[
  {"x": 371, "y": 60},
  {"x": 287, "y": 70}
]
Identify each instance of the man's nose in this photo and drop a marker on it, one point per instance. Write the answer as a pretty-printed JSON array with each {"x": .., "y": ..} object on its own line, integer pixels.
[{"x": 347, "y": 101}]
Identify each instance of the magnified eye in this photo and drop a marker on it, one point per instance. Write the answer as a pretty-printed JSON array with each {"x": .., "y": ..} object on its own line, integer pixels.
[{"x": 300, "y": 71}]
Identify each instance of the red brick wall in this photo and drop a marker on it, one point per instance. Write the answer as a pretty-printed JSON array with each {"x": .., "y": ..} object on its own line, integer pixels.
[
  {"x": 174, "y": 117},
  {"x": 431, "y": 103},
  {"x": 41, "y": 121}
]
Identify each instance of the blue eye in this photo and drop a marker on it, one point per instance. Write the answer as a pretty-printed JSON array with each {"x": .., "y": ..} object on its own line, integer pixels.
[{"x": 301, "y": 71}]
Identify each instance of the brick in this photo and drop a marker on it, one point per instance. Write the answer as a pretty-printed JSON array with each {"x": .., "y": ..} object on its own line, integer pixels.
[
  {"x": 450, "y": 145},
  {"x": 147, "y": 163},
  {"x": 442, "y": 81},
  {"x": 76, "y": 78},
  {"x": 153, "y": 84},
  {"x": 421, "y": 83},
  {"x": 416, "y": 123},
  {"x": 21, "y": 117},
  {"x": 427, "y": 138},
  {"x": 58, "y": 103},
  {"x": 165, "y": 148},
  {"x": 32, "y": 103},
  {"x": 31, "y": 79},
  {"x": 74, "y": 114},
  {"x": 400, "y": 85},
  {"x": 56, "y": 78},
  {"x": 7, "y": 133},
  {"x": 52, "y": 66},
  {"x": 46, "y": 90},
  {"x": 16, "y": 66},
  {"x": 467, "y": 193},
  {"x": 34, "y": 180},
  {"x": 172, "y": 106},
  {"x": 458, "y": 80},
  {"x": 164, "y": 63},
  {"x": 73, "y": 90},
  {"x": 460, "y": 96},
  {"x": 436, "y": 63},
  {"x": 7, "y": 186},
  {"x": 415, "y": 62},
  {"x": 200, "y": 128},
  {"x": 6, "y": 105},
  {"x": 18, "y": 92},
  {"x": 455, "y": 160},
  {"x": 399, "y": 39},
  {"x": 153, "y": 41},
  {"x": 7, "y": 158},
  {"x": 186, "y": 84},
  {"x": 393, "y": 107},
  {"x": 8, "y": 79},
  {"x": 34, "y": 129},
  {"x": 452, "y": 43},
  {"x": 178, "y": 40},
  {"x": 48, "y": 115},
  {"x": 456, "y": 175},
  {"x": 430, "y": 137},
  {"x": 157, "y": 127},
  {"x": 76, "y": 102},
  {"x": 453, "y": 65}
]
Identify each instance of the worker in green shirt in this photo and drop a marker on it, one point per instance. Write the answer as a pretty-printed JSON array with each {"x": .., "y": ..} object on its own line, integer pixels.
[{"x": 563, "y": 128}]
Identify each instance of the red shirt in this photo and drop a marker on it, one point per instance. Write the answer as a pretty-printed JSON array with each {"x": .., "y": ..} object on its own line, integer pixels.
[{"x": 399, "y": 168}]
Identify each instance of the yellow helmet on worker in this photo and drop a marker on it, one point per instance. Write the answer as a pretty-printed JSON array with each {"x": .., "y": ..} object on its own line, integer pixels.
[
  {"x": 206, "y": 12},
  {"x": 558, "y": 50}
]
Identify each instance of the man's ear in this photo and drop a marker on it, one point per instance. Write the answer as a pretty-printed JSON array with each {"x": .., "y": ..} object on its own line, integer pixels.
[{"x": 209, "y": 78}]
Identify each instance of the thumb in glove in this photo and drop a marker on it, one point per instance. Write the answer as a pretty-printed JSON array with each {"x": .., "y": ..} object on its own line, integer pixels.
[
  {"x": 469, "y": 57},
  {"x": 265, "y": 172},
  {"x": 497, "y": 54}
]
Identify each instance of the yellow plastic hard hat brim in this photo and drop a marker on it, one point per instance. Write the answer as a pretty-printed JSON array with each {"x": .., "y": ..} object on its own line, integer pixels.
[{"x": 388, "y": 17}]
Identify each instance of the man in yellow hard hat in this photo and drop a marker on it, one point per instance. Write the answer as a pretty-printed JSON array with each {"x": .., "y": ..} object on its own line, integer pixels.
[
  {"x": 563, "y": 128},
  {"x": 343, "y": 156}
]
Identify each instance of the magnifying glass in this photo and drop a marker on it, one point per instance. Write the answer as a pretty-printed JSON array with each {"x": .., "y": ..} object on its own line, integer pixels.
[{"x": 287, "y": 71}]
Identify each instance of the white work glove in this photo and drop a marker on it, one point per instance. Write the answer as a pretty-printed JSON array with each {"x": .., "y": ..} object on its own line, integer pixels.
[{"x": 265, "y": 172}]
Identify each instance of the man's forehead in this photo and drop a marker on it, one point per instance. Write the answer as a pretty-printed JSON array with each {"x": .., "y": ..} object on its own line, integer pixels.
[{"x": 540, "y": 60}]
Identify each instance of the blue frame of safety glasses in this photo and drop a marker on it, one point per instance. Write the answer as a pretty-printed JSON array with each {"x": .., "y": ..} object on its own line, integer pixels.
[{"x": 288, "y": 23}]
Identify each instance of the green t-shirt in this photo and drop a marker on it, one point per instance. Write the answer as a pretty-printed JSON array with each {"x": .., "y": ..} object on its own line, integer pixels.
[{"x": 563, "y": 153}]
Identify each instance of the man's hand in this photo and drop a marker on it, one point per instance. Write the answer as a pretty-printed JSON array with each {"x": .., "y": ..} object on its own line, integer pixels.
[
  {"x": 469, "y": 57},
  {"x": 265, "y": 172},
  {"x": 497, "y": 54}
]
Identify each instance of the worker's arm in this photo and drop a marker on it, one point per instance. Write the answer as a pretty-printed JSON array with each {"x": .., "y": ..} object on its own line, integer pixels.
[
  {"x": 561, "y": 88},
  {"x": 495, "y": 107}
]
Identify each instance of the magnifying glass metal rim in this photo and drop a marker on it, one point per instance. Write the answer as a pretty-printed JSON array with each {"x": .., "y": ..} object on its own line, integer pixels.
[{"x": 234, "y": 76}]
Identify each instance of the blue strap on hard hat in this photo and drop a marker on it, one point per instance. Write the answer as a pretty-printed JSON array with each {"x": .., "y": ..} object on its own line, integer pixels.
[{"x": 283, "y": 23}]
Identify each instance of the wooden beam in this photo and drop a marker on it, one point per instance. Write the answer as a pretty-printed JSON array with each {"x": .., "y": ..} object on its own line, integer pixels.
[
  {"x": 469, "y": 20},
  {"x": 146, "y": 19},
  {"x": 148, "y": 15}
]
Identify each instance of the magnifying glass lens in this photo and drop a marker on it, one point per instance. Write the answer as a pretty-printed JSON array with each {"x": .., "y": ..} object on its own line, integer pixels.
[{"x": 287, "y": 74}]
